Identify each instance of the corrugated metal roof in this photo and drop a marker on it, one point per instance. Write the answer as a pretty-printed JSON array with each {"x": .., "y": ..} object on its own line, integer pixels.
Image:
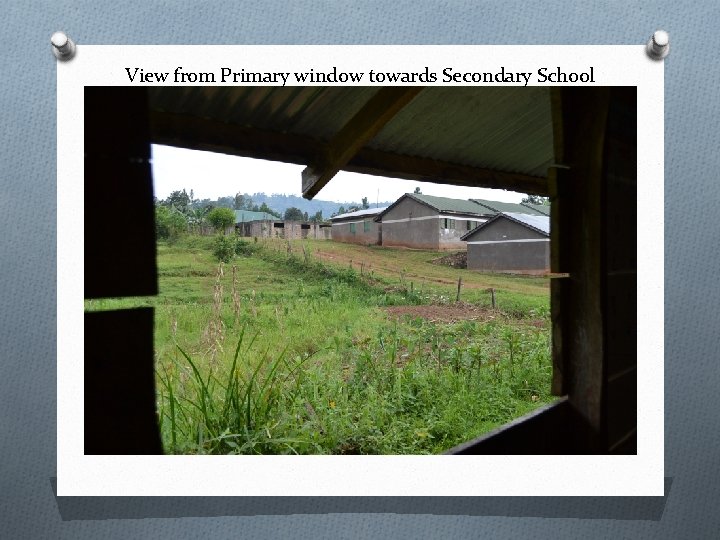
[
  {"x": 360, "y": 213},
  {"x": 446, "y": 204},
  {"x": 244, "y": 216},
  {"x": 497, "y": 206},
  {"x": 542, "y": 208},
  {"x": 506, "y": 129},
  {"x": 538, "y": 223},
  {"x": 315, "y": 111}
]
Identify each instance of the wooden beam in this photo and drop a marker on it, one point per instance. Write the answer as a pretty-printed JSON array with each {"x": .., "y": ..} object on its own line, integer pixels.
[
  {"x": 211, "y": 135},
  {"x": 581, "y": 213},
  {"x": 421, "y": 169},
  {"x": 360, "y": 129},
  {"x": 195, "y": 133}
]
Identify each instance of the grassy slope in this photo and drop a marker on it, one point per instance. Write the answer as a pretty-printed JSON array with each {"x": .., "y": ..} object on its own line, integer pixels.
[{"x": 303, "y": 358}]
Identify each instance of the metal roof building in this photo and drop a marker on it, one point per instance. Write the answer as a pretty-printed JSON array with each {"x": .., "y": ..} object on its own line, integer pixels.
[
  {"x": 510, "y": 242},
  {"x": 358, "y": 227},
  {"x": 245, "y": 216},
  {"x": 428, "y": 222}
]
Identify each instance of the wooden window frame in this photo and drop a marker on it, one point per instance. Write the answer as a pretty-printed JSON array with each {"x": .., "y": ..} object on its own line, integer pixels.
[{"x": 594, "y": 139}]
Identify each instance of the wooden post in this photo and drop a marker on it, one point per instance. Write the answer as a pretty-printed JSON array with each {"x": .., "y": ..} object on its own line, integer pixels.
[
  {"x": 457, "y": 298},
  {"x": 492, "y": 297},
  {"x": 362, "y": 266}
]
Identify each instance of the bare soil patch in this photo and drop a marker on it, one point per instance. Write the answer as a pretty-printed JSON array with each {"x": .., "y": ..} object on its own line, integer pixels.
[{"x": 443, "y": 313}]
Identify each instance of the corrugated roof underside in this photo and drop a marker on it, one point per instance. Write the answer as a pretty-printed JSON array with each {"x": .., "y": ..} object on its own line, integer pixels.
[
  {"x": 508, "y": 129},
  {"x": 314, "y": 111}
]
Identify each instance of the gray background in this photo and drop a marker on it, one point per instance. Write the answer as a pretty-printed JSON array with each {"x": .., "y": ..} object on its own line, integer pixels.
[{"x": 28, "y": 507}]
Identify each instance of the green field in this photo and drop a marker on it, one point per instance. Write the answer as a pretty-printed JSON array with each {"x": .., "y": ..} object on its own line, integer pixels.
[{"x": 318, "y": 347}]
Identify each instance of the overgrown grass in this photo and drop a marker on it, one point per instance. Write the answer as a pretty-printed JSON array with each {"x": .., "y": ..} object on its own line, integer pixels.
[{"x": 285, "y": 351}]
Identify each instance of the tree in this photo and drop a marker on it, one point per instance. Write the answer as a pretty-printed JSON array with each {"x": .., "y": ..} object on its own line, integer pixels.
[
  {"x": 265, "y": 208},
  {"x": 226, "y": 202},
  {"x": 197, "y": 218},
  {"x": 536, "y": 199},
  {"x": 243, "y": 201},
  {"x": 170, "y": 223},
  {"x": 365, "y": 204},
  {"x": 201, "y": 203},
  {"x": 417, "y": 191},
  {"x": 293, "y": 214},
  {"x": 341, "y": 210},
  {"x": 317, "y": 218},
  {"x": 221, "y": 218},
  {"x": 305, "y": 216},
  {"x": 179, "y": 200}
]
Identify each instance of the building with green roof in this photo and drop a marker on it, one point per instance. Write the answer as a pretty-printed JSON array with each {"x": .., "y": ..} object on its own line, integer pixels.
[
  {"x": 429, "y": 222},
  {"x": 246, "y": 216},
  {"x": 264, "y": 225}
]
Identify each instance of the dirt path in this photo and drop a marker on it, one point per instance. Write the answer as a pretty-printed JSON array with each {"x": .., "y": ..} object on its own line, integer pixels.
[{"x": 371, "y": 262}]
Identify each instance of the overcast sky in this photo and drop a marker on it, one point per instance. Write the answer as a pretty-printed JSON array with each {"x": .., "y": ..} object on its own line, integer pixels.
[{"x": 213, "y": 175}]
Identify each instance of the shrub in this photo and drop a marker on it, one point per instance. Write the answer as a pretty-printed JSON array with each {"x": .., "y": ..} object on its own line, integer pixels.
[
  {"x": 170, "y": 224},
  {"x": 221, "y": 218},
  {"x": 224, "y": 248},
  {"x": 243, "y": 247}
]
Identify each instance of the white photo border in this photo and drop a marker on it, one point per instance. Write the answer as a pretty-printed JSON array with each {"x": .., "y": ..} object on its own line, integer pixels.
[{"x": 604, "y": 475}]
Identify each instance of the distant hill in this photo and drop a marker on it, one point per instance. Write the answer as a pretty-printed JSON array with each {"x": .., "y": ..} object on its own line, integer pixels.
[
  {"x": 276, "y": 202},
  {"x": 280, "y": 203}
]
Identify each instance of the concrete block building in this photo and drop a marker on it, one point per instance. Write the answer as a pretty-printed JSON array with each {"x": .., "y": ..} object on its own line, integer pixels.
[
  {"x": 264, "y": 225},
  {"x": 358, "y": 227},
  {"x": 510, "y": 242},
  {"x": 428, "y": 222}
]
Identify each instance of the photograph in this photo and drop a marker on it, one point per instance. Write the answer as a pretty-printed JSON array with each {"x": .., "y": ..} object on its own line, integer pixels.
[{"x": 360, "y": 270}]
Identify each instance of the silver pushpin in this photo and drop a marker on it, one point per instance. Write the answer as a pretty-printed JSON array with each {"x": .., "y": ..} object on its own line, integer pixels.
[
  {"x": 62, "y": 46},
  {"x": 659, "y": 45}
]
